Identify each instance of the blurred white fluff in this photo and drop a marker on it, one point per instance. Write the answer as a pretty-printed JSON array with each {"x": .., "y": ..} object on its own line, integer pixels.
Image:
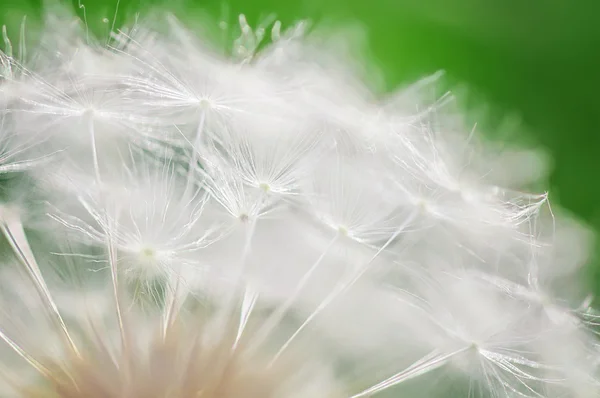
[{"x": 261, "y": 224}]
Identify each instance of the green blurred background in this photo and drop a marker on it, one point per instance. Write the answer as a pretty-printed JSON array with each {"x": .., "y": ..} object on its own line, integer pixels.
[{"x": 538, "y": 60}]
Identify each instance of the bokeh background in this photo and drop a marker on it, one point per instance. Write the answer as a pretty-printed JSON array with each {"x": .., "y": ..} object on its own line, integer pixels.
[{"x": 534, "y": 61}]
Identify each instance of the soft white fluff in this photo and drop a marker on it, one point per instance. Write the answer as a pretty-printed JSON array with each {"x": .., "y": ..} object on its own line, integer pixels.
[{"x": 272, "y": 206}]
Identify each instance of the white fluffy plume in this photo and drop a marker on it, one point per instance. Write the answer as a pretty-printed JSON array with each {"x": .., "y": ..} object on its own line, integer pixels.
[{"x": 179, "y": 222}]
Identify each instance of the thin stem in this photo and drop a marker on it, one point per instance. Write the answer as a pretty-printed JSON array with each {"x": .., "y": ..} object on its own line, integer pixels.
[
  {"x": 195, "y": 153},
  {"x": 420, "y": 367},
  {"x": 229, "y": 306},
  {"x": 171, "y": 305},
  {"x": 90, "y": 120},
  {"x": 247, "y": 307},
  {"x": 339, "y": 290},
  {"x": 113, "y": 264},
  {"x": 12, "y": 229},
  {"x": 23, "y": 354},
  {"x": 280, "y": 312}
]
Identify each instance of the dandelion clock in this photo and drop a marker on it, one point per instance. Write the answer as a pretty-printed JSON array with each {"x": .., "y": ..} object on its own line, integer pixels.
[{"x": 183, "y": 222}]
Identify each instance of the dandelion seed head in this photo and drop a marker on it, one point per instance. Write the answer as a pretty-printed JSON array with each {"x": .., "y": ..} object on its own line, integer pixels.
[
  {"x": 259, "y": 220},
  {"x": 156, "y": 370}
]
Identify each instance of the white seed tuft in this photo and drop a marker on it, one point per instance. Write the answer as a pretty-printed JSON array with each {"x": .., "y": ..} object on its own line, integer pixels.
[{"x": 183, "y": 221}]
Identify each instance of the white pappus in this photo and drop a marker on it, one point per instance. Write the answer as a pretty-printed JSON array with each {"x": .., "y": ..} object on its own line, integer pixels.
[{"x": 259, "y": 223}]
